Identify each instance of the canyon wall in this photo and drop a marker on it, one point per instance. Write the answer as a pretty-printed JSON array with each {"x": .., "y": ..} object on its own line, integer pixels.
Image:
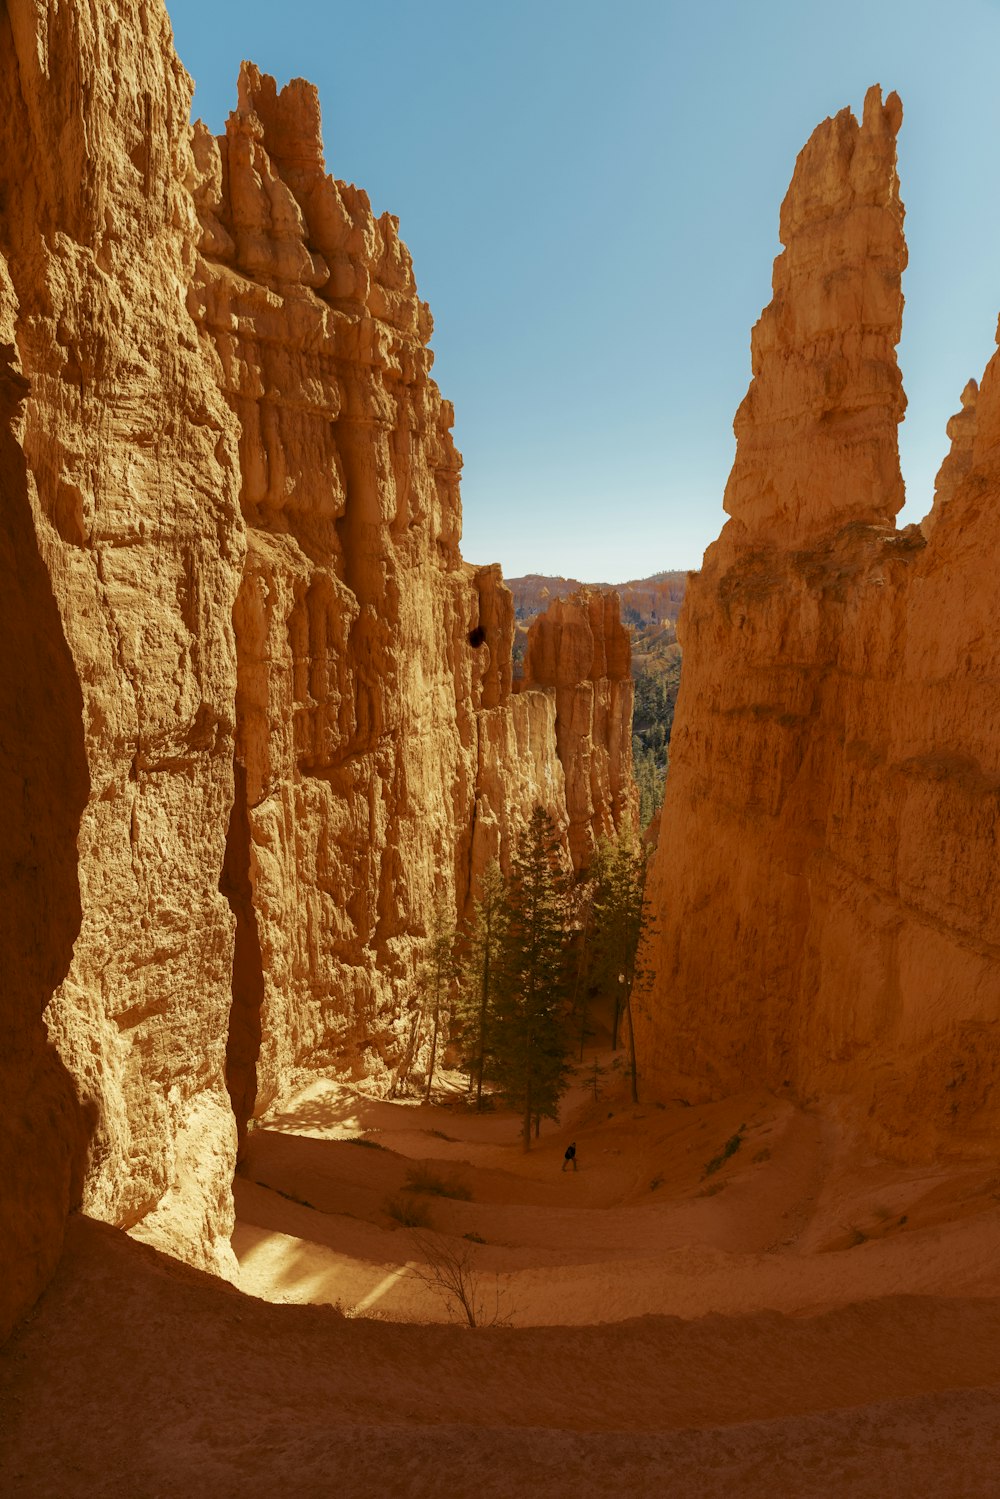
[
  {"x": 257, "y": 711},
  {"x": 825, "y": 883},
  {"x": 124, "y": 455}
]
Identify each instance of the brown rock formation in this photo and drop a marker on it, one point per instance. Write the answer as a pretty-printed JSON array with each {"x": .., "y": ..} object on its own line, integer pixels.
[
  {"x": 816, "y": 433},
  {"x": 961, "y": 429},
  {"x": 826, "y": 874},
  {"x": 579, "y": 652},
  {"x": 257, "y": 710},
  {"x": 379, "y": 755},
  {"x": 129, "y": 464}
]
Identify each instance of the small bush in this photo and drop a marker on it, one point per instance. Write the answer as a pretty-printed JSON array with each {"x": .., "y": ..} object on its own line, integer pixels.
[
  {"x": 407, "y": 1212},
  {"x": 730, "y": 1148},
  {"x": 367, "y": 1144},
  {"x": 762, "y": 1155},
  {"x": 303, "y": 1202},
  {"x": 474, "y": 1238},
  {"x": 424, "y": 1179}
]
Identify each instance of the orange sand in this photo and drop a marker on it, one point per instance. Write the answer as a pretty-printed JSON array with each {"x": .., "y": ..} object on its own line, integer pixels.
[{"x": 802, "y": 1322}]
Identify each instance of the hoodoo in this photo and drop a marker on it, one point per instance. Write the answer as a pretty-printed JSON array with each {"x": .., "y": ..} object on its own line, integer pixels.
[
  {"x": 579, "y": 651},
  {"x": 825, "y": 883},
  {"x": 258, "y": 712}
]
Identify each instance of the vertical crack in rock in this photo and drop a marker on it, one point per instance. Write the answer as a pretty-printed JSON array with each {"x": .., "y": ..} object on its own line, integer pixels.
[
  {"x": 236, "y": 884},
  {"x": 43, "y": 790}
]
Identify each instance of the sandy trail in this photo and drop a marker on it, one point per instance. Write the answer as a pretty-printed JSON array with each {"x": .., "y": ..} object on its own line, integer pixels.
[
  {"x": 752, "y": 1332},
  {"x": 792, "y": 1221}
]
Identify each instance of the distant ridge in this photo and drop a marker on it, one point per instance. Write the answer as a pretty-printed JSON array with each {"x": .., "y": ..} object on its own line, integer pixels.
[{"x": 645, "y": 601}]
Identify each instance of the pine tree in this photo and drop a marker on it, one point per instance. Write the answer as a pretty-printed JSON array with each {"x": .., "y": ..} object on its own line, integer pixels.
[
  {"x": 437, "y": 973},
  {"x": 619, "y": 916},
  {"x": 530, "y": 1044},
  {"x": 483, "y": 951}
]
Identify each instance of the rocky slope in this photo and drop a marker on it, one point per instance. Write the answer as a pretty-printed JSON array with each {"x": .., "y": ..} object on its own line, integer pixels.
[
  {"x": 260, "y": 710},
  {"x": 826, "y": 876}
]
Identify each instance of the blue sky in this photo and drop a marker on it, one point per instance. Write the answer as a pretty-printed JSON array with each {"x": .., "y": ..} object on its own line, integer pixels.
[{"x": 590, "y": 191}]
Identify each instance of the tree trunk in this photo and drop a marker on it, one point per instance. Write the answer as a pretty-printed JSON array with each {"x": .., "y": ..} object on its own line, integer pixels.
[
  {"x": 580, "y": 967},
  {"x": 483, "y": 1002},
  {"x": 631, "y": 1049},
  {"x": 434, "y": 1042}
]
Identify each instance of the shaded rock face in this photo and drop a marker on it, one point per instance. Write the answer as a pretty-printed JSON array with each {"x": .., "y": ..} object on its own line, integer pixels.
[
  {"x": 579, "y": 653},
  {"x": 130, "y": 469},
  {"x": 257, "y": 711},
  {"x": 43, "y": 790},
  {"x": 825, "y": 882}
]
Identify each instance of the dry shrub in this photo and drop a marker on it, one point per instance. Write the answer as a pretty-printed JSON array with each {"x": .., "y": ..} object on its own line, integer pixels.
[
  {"x": 408, "y": 1212},
  {"x": 424, "y": 1179},
  {"x": 450, "y": 1271}
]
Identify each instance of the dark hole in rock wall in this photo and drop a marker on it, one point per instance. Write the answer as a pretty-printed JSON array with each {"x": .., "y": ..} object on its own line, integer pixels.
[
  {"x": 477, "y": 637},
  {"x": 243, "y": 1044}
]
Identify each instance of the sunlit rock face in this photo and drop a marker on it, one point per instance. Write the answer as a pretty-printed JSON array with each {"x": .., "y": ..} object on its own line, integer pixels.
[
  {"x": 579, "y": 652},
  {"x": 825, "y": 883},
  {"x": 257, "y": 710},
  {"x": 124, "y": 456},
  {"x": 381, "y": 759}
]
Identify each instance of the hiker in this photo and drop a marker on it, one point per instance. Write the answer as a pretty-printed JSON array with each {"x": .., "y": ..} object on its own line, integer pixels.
[{"x": 570, "y": 1156}]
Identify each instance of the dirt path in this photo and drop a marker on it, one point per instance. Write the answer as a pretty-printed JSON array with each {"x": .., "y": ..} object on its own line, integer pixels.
[{"x": 658, "y": 1220}]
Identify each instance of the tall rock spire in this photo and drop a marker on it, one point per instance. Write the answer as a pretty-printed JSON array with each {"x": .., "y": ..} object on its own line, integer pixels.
[
  {"x": 816, "y": 433},
  {"x": 825, "y": 879}
]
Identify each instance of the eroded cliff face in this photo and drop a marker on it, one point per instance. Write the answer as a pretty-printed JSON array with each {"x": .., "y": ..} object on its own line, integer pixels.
[
  {"x": 130, "y": 470},
  {"x": 381, "y": 759},
  {"x": 825, "y": 882},
  {"x": 257, "y": 710}
]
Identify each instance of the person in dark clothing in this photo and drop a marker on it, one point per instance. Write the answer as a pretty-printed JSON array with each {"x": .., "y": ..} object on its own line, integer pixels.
[{"x": 570, "y": 1156}]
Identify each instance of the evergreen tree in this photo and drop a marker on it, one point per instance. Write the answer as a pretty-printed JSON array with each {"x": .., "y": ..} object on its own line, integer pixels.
[
  {"x": 483, "y": 954},
  {"x": 582, "y": 963},
  {"x": 528, "y": 1056},
  {"x": 437, "y": 974},
  {"x": 619, "y": 915}
]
